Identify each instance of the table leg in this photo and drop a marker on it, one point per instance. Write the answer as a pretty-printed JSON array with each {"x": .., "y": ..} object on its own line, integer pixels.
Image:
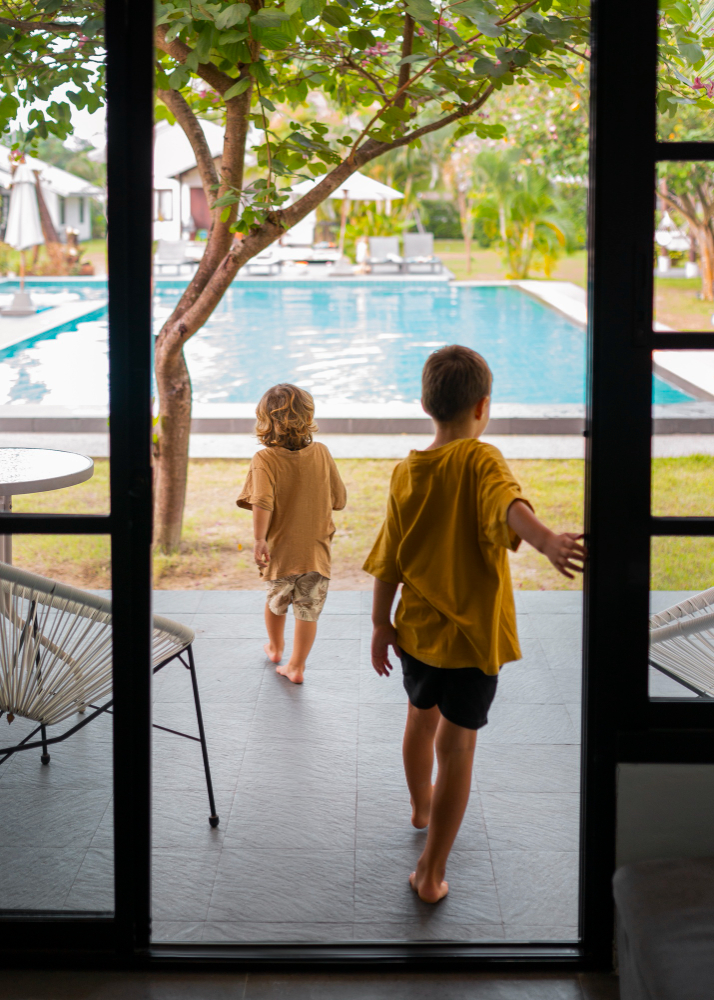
[{"x": 6, "y": 540}]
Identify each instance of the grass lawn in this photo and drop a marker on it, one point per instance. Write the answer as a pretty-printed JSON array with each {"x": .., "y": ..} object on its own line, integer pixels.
[{"x": 216, "y": 552}]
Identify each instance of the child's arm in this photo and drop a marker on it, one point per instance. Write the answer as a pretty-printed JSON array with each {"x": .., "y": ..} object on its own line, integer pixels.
[
  {"x": 564, "y": 551},
  {"x": 261, "y": 523},
  {"x": 384, "y": 633}
]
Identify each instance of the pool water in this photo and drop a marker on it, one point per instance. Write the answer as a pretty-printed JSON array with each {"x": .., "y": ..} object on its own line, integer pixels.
[{"x": 346, "y": 343}]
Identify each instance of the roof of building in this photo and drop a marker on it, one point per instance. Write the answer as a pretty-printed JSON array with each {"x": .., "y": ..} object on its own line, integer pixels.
[{"x": 53, "y": 179}]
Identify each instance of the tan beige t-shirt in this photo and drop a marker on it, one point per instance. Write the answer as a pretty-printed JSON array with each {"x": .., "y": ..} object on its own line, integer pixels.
[{"x": 301, "y": 488}]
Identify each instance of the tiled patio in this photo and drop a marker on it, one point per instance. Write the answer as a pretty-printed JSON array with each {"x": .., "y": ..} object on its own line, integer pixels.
[{"x": 315, "y": 841}]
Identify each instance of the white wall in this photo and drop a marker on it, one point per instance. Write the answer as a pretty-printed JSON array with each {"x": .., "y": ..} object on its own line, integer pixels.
[
  {"x": 169, "y": 229},
  {"x": 71, "y": 214},
  {"x": 664, "y": 811}
]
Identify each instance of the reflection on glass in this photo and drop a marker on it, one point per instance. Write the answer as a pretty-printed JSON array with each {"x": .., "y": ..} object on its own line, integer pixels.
[
  {"x": 685, "y": 85},
  {"x": 684, "y": 247},
  {"x": 56, "y": 826},
  {"x": 682, "y": 618}
]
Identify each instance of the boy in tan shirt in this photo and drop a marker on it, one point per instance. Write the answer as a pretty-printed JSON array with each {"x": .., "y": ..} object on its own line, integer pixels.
[
  {"x": 454, "y": 511},
  {"x": 292, "y": 488}
]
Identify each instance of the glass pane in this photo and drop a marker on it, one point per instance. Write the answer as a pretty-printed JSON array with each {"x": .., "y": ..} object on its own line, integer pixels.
[
  {"x": 682, "y": 591},
  {"x": 684, "y": 250},
  {"x": 56, "y": 820},
  {"x": 685, "y": 86}
]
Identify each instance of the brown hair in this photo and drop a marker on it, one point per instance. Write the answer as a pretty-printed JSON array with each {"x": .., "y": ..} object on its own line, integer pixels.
[
  {"x": 453, "y": 380},
  {"x": 285, "y": 417}
]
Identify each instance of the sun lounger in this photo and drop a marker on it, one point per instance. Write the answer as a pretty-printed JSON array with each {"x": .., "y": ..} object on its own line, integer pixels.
[
  {"x": 384, "y": 255},
  {"x": 682, "y": 643},
  {"x": 266, "y": 263},
  {"x": 173, "y": 255},
  {"x": 419, "y": 254}
]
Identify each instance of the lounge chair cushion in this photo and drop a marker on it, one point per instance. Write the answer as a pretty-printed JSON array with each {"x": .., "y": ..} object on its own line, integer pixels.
[{"x": 665, "y": 938}]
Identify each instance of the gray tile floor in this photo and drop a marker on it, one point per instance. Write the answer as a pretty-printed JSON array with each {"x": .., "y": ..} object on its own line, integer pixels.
[
  {"x": 27, "y": 985},
  {"x": 315, "y": 841}
]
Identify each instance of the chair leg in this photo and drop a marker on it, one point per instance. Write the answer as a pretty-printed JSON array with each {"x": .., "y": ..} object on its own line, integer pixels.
[
  {"x": 44, "y": 757},
  {"x": 213, "y": 819}
]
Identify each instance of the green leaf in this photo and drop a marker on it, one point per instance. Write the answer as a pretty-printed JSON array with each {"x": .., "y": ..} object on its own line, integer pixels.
[
  {"x": 408, "y": 60},
  {"x": 238, "y": 88},
  {"x": 232, "y": 36},
  {"x": 259, "y": 72},
  {"x": 225, "y": 215},
  {"x": 8, "y": 107},
  {"x": 395, "y": 116},
  {"x": 174, "y": 30},
  {"x": 312, "y": 8},
  {"x": 267, "y": 103},
  {"x": 235, "y": 14},
  {"x": 269, "y": 18},
  {"x": 484, "y": 131},
  {"x": 483, "y": 66},
  {"x": 336, "y": 16},
  {"x": 361, "y": 38},
  {"x": 292, "y": 6},
  {"x": 691, "y": 51},
  {"x": 421, "y": 10}
]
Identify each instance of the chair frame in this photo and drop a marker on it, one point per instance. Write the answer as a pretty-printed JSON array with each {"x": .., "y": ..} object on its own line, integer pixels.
[{"x": 44, "y": 742}]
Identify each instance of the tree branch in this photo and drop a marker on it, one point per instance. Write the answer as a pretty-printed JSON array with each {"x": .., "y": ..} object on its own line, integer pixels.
[
  {"x": 56, "y": 27},
  {"x": 179, "y": 51},
  {"x": 183, "y": 326},
  {"x": 407, "y": 42},
  {"x": 184, "y": 115}
]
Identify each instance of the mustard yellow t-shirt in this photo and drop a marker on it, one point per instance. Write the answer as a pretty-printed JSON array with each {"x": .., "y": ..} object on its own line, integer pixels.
[{"x": 445, "y": 538}]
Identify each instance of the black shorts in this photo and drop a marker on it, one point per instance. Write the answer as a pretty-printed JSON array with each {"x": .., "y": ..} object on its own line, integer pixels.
[{"x": 463, "y": 694}]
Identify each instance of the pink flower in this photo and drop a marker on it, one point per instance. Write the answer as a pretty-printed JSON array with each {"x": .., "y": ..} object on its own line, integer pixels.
[
  {"x": 710, "y": 88},
  {"x": 697, "y": 84},
  {"x": 82, "y": 40},
  {"x": 443, "y": 23},
  {"x": 420, "y": 30},
  {"x": 463, "y": 58},
  {"x": 380, "y": 49}
]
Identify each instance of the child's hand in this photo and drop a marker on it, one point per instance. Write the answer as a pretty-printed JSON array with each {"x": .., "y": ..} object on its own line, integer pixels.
[
  {"x": 383, "y": 637},
  {"x": 260, "y": 553},
  {"x": 565, "y": 552}
]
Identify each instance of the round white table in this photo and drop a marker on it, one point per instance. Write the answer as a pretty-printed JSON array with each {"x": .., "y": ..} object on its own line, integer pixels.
[{"x": 37, "y": 470}]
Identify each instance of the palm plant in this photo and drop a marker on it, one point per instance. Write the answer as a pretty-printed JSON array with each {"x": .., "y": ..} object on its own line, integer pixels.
[{"x": 521, "y": 205}]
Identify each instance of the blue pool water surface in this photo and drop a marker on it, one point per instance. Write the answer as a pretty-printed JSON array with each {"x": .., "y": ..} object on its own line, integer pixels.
[{"x": 346, "y": 343}]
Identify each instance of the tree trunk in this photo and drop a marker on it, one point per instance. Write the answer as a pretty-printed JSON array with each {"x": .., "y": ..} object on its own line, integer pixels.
[
  {"x": 54, "y": 247},
  {"x": 705, "y": 240},
  {"x": 171, "y": 450}
]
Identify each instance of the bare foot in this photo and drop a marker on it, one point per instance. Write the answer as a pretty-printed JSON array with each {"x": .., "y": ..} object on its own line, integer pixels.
[
  {"x": 294, "y": 674},
  {"x": 420, "y": 817},
  {"x": 428, "y": 890},
  {"x": 272, "y": 654}
]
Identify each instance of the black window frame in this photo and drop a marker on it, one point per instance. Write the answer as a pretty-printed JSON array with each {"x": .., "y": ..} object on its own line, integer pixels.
[{"x": 620, "y": 723}]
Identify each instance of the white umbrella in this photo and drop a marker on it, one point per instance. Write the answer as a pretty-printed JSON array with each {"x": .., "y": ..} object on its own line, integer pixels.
[
  {"x": 23, "y": 230},
  {"x": 357, "y": 187}
]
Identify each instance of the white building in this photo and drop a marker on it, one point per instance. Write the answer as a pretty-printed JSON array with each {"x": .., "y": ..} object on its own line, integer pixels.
[
  {"x": 180, "y": 204},
  {"x": 67, "y": 196}
]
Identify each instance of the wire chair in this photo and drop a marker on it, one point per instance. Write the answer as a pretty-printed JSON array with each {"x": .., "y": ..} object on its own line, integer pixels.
[
  {"x": 682, "y": 643},
  {"x": 56, "y": 660}
]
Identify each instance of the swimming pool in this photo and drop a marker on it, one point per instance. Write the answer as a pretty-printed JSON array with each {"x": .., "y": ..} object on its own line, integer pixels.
[{"x": 344, "y": 342}]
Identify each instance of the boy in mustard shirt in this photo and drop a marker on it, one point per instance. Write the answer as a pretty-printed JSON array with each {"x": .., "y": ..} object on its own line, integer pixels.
[{"x": 453, "y": 512}]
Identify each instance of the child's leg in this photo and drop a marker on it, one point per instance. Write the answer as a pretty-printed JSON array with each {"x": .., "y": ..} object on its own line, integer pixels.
[
  {"x": 275, "y": 624},
  {"x": 455, "y": 747},
  {"x": 418, "y": 753},
  {"x": 305, "y": 633}
]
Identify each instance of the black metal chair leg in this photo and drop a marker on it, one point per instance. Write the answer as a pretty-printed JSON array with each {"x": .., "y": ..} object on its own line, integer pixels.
[
  {"x": 44, "y": 757},
  {"x": 213, "y": 819}
]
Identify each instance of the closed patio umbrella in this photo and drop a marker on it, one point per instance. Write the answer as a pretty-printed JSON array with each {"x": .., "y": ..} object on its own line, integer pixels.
[
  {"x": 23, "y": 230},
  {"x": 357, "y": 187}
]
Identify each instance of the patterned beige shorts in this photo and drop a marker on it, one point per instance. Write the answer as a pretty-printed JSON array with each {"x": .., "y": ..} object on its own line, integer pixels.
[{"x": 305, "y": 591}]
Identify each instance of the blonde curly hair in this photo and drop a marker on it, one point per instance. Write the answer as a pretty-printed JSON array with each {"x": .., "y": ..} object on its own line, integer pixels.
[{"x": 285, "y": 417}]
